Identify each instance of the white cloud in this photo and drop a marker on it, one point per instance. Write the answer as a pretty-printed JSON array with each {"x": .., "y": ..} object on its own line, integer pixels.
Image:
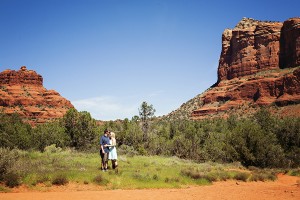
[
  {"x": 121, "y": 107},
  {"x": 107, "y": 107}
]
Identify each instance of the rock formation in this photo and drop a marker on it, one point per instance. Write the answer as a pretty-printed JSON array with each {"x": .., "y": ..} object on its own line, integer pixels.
[
  {"x": 259, "y": 66},
  {"x": 22, "y": 92},
  {"x": 252, "y": 46}
]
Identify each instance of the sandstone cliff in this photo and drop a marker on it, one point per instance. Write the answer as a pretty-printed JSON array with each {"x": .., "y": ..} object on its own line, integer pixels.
[
  {"x": 259, "y": 66},
  {"x": 22, "y": 92}
]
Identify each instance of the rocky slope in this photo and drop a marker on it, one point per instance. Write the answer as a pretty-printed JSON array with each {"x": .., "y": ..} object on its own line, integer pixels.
[
  {"x": 23, "y": 92},
  {"x": 258, "y": 66}
]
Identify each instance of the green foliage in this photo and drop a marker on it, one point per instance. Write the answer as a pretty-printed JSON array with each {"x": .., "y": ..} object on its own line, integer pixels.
[
  {"x": 255, "y": 146},
  {"x": 8, "y": 159},
  {"x": 146, "y": 112},
  {"x": 60, "y": 179},
  {"x": 52, "y": 149},
  {"x": 288, "y": 134},
  {"x": 100, "y": 180},
  {"x": 48, "y": 134},
  {"x": 242, "y": 176},
  {"x": 12, "y": 179},
  {"x": 14, "y": 133},
  {"x": 81, "y": 129},
  {"x": 261, "y": 140}
]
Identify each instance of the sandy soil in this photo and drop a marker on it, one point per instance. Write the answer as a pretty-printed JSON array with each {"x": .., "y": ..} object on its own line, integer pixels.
[{"x": 286, "y": 187}]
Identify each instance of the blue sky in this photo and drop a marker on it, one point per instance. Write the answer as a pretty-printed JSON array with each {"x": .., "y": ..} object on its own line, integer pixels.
[{"x": 108, "y": 56}]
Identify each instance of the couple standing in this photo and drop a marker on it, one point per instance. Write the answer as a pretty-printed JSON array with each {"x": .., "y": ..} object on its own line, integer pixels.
[{"x": 108, "y": 150}]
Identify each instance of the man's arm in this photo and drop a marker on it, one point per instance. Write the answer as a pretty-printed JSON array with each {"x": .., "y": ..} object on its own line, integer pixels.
[{"x": 101, "y": 144}]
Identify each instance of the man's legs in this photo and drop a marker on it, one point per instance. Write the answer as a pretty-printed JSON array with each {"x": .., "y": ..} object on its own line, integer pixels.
[
  {"x": 102, "y": 160},
  {"x": 105, "y": 161}
]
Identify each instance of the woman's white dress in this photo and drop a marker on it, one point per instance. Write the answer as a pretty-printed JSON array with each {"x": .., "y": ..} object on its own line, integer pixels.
[{"x": 112, "y": 155}]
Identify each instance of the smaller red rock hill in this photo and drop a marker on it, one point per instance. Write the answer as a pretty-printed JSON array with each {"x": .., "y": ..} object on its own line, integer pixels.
[{"x": 23, "y": 92}]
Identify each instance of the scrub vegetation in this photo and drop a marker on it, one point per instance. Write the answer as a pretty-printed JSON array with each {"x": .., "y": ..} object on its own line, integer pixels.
[{"x": 165, "y": 154}]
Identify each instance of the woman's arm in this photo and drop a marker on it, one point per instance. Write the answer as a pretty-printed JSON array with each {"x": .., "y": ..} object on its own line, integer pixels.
[{"x": 113, "y": 143}]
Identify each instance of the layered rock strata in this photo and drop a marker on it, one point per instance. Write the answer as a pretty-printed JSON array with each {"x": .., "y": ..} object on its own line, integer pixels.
[
  {"x": 23, "y": 92},
  {"x": 259, "y": 66}
]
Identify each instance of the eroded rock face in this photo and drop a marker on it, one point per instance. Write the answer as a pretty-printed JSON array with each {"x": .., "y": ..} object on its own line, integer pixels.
[
  {"x": 21, "y": 77},
  {"x": 281, "y": 88},
  {"x": 22, "y": 92},
  {"x": 252, "y": 46},
  {"x": 259, "y": 66},
  {"x": 290, "y": 43}
]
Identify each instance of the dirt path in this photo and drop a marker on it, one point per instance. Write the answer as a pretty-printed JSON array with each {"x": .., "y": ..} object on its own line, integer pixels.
[{"x": 286, "y": 187}]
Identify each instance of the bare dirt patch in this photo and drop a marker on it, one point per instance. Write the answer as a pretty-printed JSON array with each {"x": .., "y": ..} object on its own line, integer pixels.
[{"x": 286, "y": 187}]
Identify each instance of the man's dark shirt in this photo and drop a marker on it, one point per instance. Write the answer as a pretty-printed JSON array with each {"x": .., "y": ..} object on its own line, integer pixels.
[{"x": 103, "y": 141}]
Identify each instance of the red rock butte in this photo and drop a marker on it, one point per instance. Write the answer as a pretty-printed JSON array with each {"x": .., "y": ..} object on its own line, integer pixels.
[
  {"x": 23, "y": 92},
  {"x": 259, "y": 66}
]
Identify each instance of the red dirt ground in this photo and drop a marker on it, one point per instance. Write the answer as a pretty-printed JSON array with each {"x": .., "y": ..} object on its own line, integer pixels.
[{"x": 286, "y": 187}]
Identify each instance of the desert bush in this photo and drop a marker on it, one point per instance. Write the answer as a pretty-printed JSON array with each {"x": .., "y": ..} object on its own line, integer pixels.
[
  {"x": 81, "y": 129},
  {"x": 255, "y": 146},
  {"x": 14, "y": 133},
  {"x": 155, "y": 177},
  {"x": 12, "y": 179},
  {"x": 8, "y": 159},
  {"x": 127, "y": 150},
  {"x": 172, "y": 180},
  {"x": 294, "y": 172},
  {"x": 52, "y": 149},
  {"x": 42, "y": 179},
  {"x": 141, "y": 176},
  {"x": 50, "y": 133},
  {"x": 60, "y": 180},
  {"x": 242, "y": 176},
  {"x": 196, "y": 174},
  {"x": 100, "y": 180}
]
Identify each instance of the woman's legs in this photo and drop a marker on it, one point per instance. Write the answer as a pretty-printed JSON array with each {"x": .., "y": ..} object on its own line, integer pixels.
[{"x": 114, "y": 164}]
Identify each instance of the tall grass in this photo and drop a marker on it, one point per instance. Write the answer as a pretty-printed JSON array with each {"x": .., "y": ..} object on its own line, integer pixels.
[{"x": 134, "y": 172}]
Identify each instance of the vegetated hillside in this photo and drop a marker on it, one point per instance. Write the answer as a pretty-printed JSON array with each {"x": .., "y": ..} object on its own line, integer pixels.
[
  {"x": 259, "y": 66},
  {"x": 23, "y": 92}
]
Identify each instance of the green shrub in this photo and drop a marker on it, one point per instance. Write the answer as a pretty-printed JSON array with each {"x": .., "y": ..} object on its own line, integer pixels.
[
  {"x": 8, "y": 159},
  {"x": 223, "y": 176},
  {"x": 85, "y": 182},
  {"x": 60, "y": 180},
  {"x": 127, "y": 150},
  {"x": 100, "y": 180},
  {"x": 52, "y": 149},
  {"x": 242, "y": 176},
  {"x": 171, "y": 180},
  {"x": 42, "y": 179},
  {"x": 211, "y": 177},
  {"x": 155, "y": 177},
  {"x": 12, "y": 179},
  {"x": 295, "y": 172}
]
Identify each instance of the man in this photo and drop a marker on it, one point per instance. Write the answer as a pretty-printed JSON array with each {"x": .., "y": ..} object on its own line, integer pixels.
[{"x": 104, "y": 149}]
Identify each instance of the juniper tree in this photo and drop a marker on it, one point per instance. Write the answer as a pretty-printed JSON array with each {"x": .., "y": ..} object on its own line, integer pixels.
[{"x": 146, "y": 112}]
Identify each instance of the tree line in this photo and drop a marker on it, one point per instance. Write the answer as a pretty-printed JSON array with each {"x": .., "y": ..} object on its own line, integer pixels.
[{"x": 261, "y": 140}]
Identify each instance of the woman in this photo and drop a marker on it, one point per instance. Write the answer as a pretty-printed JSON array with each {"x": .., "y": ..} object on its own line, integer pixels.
[{"x": 112, "y": 155}]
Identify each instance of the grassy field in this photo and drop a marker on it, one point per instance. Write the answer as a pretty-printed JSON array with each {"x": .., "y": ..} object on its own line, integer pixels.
[{"x": 134, "y": 172}]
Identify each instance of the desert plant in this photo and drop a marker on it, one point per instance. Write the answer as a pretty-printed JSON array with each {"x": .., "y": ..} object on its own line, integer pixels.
[
  {"x": 100, "y": 180},
  {"x": 242, "y": 176},
  {"x": 52, "y": 149},
  {"x": 12, "y": 179},
  {"x": 60, "y": 180},
  {"x": 8, "y": 159}
]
